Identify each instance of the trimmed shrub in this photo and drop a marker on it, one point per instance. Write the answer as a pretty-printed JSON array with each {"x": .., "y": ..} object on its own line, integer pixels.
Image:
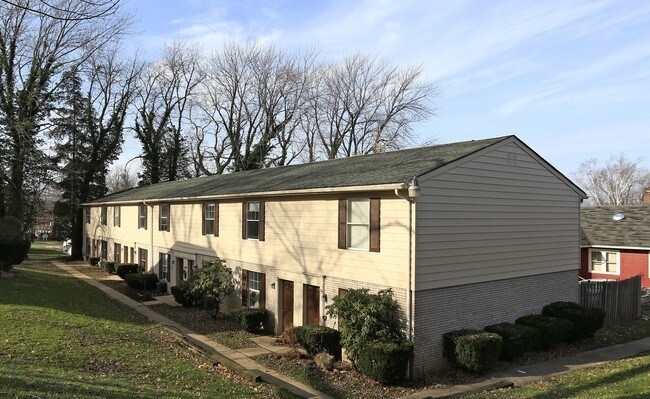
[
  {"x": 13, "y": 253},
  {"x": 140, "y": 281},
  {"x": 94, "y": 260},
  {"x": 109, "y": 267},
  {"x": 182, "y": 293},
  {"x": 133, "y": 280},
  {"x": 553, "y": 330},
  {"x": 317, "y": 339},
  {"x": 516, "y": 338},
  {"x": 385, "y": 361},
  {"x": 252, "y": 320},
  {"x": 122, "y": 269},
  {"x": 586, "y": 321},
  {"x": 449, "y": 342}
]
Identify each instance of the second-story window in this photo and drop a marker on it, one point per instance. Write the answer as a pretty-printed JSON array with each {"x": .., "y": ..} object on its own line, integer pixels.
[
  {"x": 87, "y": 214},
  {"x": 210, "y": 219},
  {"x": 142, "y": 217},
  {"x": 104, "y": 217},
  {"x": 163, "y": 224},
  {"x": 253, "y": 220},
  {"x": 359, "y": 224},
  {"x": 117, "y": 214}
]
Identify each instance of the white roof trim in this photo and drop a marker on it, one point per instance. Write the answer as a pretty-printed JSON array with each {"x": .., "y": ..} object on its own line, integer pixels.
[
  {"x": 309, "y": 191},
  {"x": 601, "y": 246}
]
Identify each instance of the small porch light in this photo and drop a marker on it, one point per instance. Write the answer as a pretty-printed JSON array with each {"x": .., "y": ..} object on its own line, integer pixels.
[{"x": 414, "y": 188}]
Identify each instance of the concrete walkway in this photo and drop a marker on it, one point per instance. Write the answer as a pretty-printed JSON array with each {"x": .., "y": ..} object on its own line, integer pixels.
[
  {"x": 534, "y": 372},
  {"x": 238, "y": 361}
]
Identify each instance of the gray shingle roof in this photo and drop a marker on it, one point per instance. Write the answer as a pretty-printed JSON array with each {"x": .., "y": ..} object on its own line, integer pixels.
[
  {"x": 598, "y": 227},
  {"x": 385, "y": 168}
]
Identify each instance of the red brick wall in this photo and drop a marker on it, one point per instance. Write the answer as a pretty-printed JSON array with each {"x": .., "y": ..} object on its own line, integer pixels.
[{"x": 633, "y": 263}]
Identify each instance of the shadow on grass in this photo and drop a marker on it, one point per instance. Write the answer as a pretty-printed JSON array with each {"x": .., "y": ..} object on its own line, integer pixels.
[{"x": 45, "y": 286}]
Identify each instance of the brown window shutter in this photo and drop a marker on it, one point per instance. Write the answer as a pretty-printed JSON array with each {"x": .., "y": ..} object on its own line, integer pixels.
[
  {"x": 159, "y": 217},
  {"x": 244, "y": 288},
  {"x": 216, "y": 219},
  {"x": 203, "y": 219},
  {"x": 243, "y": 220},
  {"x": 262, "y": 278},
  {"x": 375, "y": 214},
  {"x": 343, "y": 223},
  {"x": 260, "y": 233},
  {"x": 169, "y": 216},
  {"x": 146, "y": 211}
]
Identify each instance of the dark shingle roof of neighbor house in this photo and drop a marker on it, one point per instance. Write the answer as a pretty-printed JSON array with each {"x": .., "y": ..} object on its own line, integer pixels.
[
  {"x": 384, "y": 168},
  {"x": 599, "y": 228}
]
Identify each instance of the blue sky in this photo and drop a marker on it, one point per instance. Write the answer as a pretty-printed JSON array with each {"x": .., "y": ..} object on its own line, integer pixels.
[{"x": 570, "y": 78}]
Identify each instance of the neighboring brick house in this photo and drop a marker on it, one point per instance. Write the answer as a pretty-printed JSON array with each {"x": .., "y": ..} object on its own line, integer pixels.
[
  {"x": 492, "y": 235},
  {"x": 616, "y": 242}
]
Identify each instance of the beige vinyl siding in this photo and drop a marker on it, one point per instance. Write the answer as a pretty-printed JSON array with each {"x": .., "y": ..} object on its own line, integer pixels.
[
  {"x": 499, "y": 214},
  {"x": 301, "y": 235}
]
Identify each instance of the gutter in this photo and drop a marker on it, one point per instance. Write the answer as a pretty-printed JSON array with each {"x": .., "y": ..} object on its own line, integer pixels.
[{"x": 307, "y": 191}]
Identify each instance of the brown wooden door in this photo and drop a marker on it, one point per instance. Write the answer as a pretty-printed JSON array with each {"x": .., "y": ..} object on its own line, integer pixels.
[
  {"x": 312, "y": 304},
  {"x": 287, "y": 304}
]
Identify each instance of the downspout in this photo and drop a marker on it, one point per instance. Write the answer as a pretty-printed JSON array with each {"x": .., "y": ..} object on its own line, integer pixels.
[{"x": 409, "y": 310}]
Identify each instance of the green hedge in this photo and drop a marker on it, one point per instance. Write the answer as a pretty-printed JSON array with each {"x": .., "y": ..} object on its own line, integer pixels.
[
  {"x": 517, "y": 339},
  {"x": 385, "y": 361},
  {"x": 94, "y": 260},
  {"x": 449, "y": 342},
  {"x": 13, "y": 252},
  {"x": 586, "y": 321},
  {"x": 140, "y": 281},
  {"x": 183, "y": 295},
  {"x": 109, "y": 266},
  {"x": 316, "y": 339},
  {"x": 252, "y": 320},
  {"x": 552, "y": 329},
  {"x": 122, "y": 269}
]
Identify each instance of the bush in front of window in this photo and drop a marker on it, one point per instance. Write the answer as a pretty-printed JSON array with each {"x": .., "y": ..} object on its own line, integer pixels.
[
  {"x": 182, "y": 293},
  {"x": 109, "y": 267},
  {"x": 553, "y": 330},
  {"x": 141, "y": 281},
  {"x": 317, "y": 339},
  {"x": 517, "y": 339},
  {"x": 586, "y": 321},
  {"x": 122, "y": 269},
  {"x": 251, "y": 320},
  {"x": 213, "y": 282},
  {"x": 385, "y": 361},
  {"x": 94, "y": 260}
]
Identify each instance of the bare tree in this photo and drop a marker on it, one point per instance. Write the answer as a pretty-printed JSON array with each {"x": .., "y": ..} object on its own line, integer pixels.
[
  {"x": 120, "y": 179},
  {"x": 252, "y": 103},
  {"x": 619, "y": 182},
  {"x": 39, "y": 44},
  {"x": 167, "y": 87},
  {"x": 365, "y": 105}
]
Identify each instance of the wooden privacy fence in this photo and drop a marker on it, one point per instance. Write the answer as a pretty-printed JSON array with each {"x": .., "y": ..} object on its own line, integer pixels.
[{"x": 621, "y": 300}]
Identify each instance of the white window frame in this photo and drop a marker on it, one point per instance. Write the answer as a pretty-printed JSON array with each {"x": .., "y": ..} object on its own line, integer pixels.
[
  {"x": 165, "y": 218},
  {"x": 210, "y": 216},
  {"x": 350, "y": 224},
  {"x": 104, "y": 216},
  {"x": 117, "y": 216},
  {"x": 142, "y": 216},
  {"x": 254, "y": 279},
  {"x": 249, "y": 220},
  {"x": 605, "y": 251}
]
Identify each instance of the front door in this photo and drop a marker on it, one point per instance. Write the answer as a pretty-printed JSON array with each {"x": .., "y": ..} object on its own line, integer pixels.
[
  {"x": 287, "y": 304},
  {"x": 311, "y": 304}
]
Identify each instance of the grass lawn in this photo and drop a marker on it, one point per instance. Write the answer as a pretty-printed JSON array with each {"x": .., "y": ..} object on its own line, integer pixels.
[
  {"x": 46, "y": 250},
  {"x": 628, "y": 378},
  {"x": 61, "y": 338}
]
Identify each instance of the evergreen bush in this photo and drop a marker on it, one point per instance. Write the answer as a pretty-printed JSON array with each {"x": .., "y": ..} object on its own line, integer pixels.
[
  {"x": 553, "y": 330},
  {"x": 586, "y": 321},
  {"x": 317, "y": 339},
  {"x": 252, "y": 320},
  {"x": 385, "y": 361},
  {"x": 517, "y": 339}
]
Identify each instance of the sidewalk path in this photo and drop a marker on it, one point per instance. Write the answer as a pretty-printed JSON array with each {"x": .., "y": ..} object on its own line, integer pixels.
[
  {"x": 235, "y": 360},
  {"x": 538, "y": 371}
]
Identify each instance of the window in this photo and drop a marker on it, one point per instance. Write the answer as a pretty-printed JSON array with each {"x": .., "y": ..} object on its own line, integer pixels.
[
  {"x": 143, "y": 261},
  {"x": 126, "y": 254},
  {"x": 87, "y": 245},
  {"x": 210, "y": 219},
  {"x": 603, "y": 261},
  {"x": 116, "y": 216},
  {"x": 87, "y": 209},
  {"x": 104, "y": 218},
  {"x": 253, "y": 289},
  {"x": 163, "y": 224},
  {"x": 104, "y": 246},
  {"x": 163, "y": 263},
  {"x": 142, "y": 217},
  {"x": 117, "y": 252},
  {"x": 359, "y": 224},
  {"x": 253, "y": 220},
  {"x": 184, "y": 267}
]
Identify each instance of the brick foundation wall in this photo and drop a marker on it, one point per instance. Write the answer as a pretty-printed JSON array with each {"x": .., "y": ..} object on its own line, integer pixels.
[{"x": 438, "y": 311}]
